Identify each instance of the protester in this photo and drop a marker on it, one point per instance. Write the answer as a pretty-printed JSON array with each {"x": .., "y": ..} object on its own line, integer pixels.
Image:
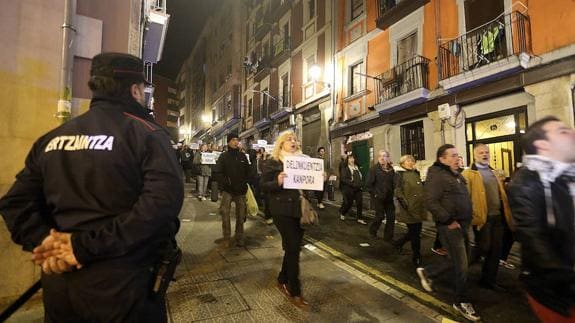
[
  {"x": 232, "y": 172},
  {"x": 319, "y": 195},
  {"x": 351, "y": 182},
  {"x": 186, "y": 160},
  {"x": 286, "y": 212},
  {"x": 261, "y": 158},
  {"x": 205, "y": 172},
  {"x": 447, "y": 198},
  {"x": 380, "y": 184},
  {"x": 490, "y": 205},
  {"x": 98, "y": 203},
  {"x": 409, "y": 195},
  {"x": 541, "y": 196}
]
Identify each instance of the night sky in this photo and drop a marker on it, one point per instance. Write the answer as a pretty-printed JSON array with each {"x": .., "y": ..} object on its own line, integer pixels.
[{"x": 187, "y": 18}]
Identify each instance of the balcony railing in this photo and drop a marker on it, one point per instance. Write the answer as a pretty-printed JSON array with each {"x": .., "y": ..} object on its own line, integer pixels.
[
  {"x": 262, "y": 68},
  {"x": 404, "y": 78},
  {"x": 505, "y": 36},
  {"x": 279, "y": 8}
]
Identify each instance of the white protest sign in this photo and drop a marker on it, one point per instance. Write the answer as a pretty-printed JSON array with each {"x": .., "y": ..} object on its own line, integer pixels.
[
  {"x": 262, "y": 142},
  {"x": 269, "y": 148},
  {"x": 303, "y": 173},
  {"x": 255, "y": 146},
  {"x": 194, "y": 146},
  {"x": 209, "y": 158}
]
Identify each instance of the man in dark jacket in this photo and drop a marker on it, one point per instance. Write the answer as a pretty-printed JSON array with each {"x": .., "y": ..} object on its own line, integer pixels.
[
  {"x": 232, "y": 173},
  {"x": 380, "y": 184},
  {"x": 97, "y": 201},
  {"x": 541, "y": 198},
  {"x": 447, "y": 198}
]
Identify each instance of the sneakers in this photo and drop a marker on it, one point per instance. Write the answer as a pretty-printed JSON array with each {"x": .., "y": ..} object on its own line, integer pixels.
[
  {"x": 467, "y": 310},
  {"x": 342, "y": 217},
  {"x": 269, "y": 221},
  {"x": 439, "y": 251},
  {"x": 361, "y": 221},
  {"x": 506, "y": 264},
  {"x": 321, "y": 206},
  {"x": 426, "y": 283}
]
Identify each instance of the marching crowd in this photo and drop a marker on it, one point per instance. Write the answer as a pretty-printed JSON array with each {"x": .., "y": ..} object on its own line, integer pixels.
[{"x": 101, "y": 222}]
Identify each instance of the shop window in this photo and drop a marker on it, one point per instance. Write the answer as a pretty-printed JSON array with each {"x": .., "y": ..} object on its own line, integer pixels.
[{"x": 412, "y": 140}]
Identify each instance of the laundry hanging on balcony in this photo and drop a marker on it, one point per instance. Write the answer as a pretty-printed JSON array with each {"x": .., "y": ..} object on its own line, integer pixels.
[{"x": 489, "y": 38}]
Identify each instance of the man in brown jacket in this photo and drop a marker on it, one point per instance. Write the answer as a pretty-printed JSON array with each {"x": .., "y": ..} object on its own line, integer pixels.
[{"x": 490, "y": 209}]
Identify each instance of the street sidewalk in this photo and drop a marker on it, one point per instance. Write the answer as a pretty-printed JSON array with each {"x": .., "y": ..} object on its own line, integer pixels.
[{"x": 217, "y": 284}]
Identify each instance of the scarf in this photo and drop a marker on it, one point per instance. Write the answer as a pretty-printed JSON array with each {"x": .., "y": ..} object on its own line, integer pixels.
[{"x": 549, "y": 170}]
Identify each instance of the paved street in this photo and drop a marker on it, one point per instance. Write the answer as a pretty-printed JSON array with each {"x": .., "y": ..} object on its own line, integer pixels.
[{"x": 216, "y": 284}]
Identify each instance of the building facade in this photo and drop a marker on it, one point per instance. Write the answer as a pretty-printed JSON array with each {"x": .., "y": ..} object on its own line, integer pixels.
[
  {"x": 412, "y": 75},
  {"x": 211, "y": 78},
  {"x": 287, "y": 70},
  {"x": 166, "y": 111}
]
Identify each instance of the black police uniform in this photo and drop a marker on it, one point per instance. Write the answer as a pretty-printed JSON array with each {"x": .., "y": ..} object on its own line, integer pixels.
[{"x": 111, "y": 179}]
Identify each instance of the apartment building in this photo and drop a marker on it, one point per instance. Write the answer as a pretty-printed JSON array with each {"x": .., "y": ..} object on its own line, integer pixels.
[
  {"x": 414, "y": 74},
  {"x": 287, "y": 70},
  {"x": 166, "y": 112},
  {"x": 211, "y": 78}
]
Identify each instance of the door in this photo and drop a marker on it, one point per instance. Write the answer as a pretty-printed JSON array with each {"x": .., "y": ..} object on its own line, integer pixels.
[{"x": 361, "y": 150}]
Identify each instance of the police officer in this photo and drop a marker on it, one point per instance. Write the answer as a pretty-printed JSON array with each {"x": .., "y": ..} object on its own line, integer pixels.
[{"x": 98, "y": 201}]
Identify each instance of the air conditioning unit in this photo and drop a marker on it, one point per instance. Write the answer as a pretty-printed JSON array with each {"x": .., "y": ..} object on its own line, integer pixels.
[{"x": 445, "y": 111}]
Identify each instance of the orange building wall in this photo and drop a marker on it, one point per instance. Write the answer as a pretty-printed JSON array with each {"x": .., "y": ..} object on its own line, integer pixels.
[
  {"x": 341, "y": 35},
  {"x": 551, "y": 24},
  {"x": 447, "y": 19},
  {"x": 378, "y": 61},
  {"x": 371, "y": 6}
]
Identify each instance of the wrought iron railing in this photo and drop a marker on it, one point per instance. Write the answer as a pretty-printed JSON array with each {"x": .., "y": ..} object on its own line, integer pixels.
[
  {"x": 281, "y": 46},
  {"x": 403, "y": 78},
  {"x": 502, "y": 37}
]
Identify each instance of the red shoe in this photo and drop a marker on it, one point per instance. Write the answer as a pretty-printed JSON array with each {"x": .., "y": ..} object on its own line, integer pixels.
[{"x": 300, "y": 302}]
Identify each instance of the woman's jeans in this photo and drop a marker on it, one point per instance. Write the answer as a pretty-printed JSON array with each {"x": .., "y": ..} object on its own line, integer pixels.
[{"x": 202, "y": 185}]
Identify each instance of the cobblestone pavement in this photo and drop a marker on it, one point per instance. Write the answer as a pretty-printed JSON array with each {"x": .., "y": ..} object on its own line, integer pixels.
[{"x": 217, "y": 284}]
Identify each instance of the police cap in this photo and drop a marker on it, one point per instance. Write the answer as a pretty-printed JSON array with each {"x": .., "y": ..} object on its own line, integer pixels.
[{"x": 118, "y": 66}]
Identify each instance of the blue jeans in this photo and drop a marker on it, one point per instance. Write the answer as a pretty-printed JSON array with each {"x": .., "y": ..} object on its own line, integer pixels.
[{"x": 456, "y": 242}]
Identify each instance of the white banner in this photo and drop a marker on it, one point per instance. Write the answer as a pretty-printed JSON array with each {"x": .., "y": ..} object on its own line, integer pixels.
[
  {"x": 303, "y": 173},
  {"x": 209, "y": 158},
  {"x": 194, "y": 145}
]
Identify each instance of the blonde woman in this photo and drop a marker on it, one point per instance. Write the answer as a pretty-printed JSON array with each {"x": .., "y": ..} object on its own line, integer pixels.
[
  {"x": 286, "y": 213},
  {"x": 409, "y": 196}
]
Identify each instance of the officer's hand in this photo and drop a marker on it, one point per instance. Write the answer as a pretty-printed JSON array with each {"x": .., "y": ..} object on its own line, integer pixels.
[
  {"x": 65, "y": 250},
  {"x": 53, "y": 265}
]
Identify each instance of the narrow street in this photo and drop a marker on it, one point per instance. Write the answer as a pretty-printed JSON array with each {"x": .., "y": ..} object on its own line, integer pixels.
[{"x": 216, "y": 284}]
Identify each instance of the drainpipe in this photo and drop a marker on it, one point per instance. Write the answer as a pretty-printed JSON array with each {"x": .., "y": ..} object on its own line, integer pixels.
[
  {"x": 333, "y": 85},
  {"x": 64, "y": 111}
]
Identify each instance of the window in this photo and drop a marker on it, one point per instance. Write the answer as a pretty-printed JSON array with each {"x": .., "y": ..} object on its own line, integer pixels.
[
  {"x": 265, "y": 103},
  {"x": 250, "y": 107},
  {"x": 355, "y": 77},
  {"x": 356, "y": 8},
  {"x": 412, "y": 141},
  {"x": 285, "y": 91},
  {"x": 406, "y": 48},
  {"x": 310, "y": 61},
  {"x": 311, "y": 9}
]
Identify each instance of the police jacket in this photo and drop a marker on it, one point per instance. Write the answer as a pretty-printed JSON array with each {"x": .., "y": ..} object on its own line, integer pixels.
[
  {"x": 282, "y": 202},
  {"x": 547, "y": 250},
  {"x": 446, "y": 195},
  {"x": 232, "y": 172},
  {"x": 380, "y": 182},
  {"x": 109, "y": 177}
]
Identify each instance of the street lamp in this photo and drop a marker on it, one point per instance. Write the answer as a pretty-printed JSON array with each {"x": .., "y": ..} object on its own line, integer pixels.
[
  {"x": 315, "y": 73},
  {"x": 206, "y": 118}
]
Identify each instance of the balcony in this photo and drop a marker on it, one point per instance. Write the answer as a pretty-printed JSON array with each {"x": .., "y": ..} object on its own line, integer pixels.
[
  {"x": 405, "y": 84},
  {"x": 281, "y": 52},
  {"x": 282, "y": 107},
  {"x": 391, "y": 11},
  {"x": 262, "y": 68},
  {"x": 280, "y": 7},
  {"x": 494, "y": 49},
  {"x": 263, "y": 24}
]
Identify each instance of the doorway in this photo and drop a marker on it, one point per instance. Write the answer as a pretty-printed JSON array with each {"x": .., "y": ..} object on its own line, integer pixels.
[
  {"x": 501, "y": 132},
  {"x": 361, "y": 150}
]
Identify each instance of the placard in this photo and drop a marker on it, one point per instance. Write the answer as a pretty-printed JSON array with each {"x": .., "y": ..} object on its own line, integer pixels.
[
  {"x": 262, "y": 142},
  {"x": 194, "y": 145},
  {"x": 303, "y": 173},
  {"x": 209, "y": 158}
]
